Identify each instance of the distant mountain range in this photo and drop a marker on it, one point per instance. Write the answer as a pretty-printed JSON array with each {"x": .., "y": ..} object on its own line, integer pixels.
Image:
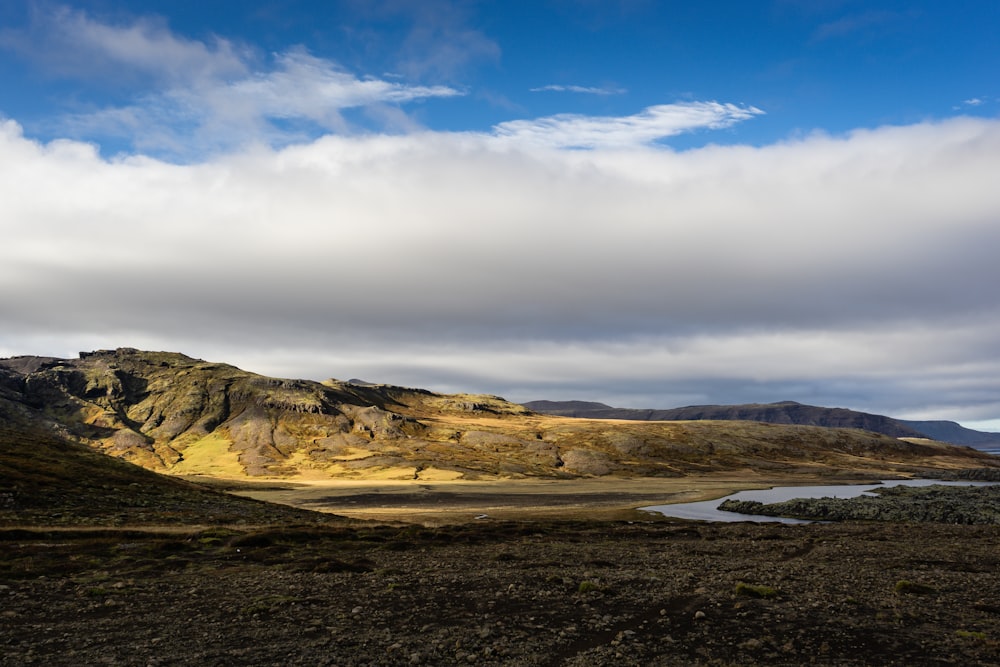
[{"x": 785, "y": 412}]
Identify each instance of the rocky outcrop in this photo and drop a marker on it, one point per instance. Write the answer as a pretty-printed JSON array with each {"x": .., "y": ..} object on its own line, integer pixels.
[{"x": 934, "y": 504}]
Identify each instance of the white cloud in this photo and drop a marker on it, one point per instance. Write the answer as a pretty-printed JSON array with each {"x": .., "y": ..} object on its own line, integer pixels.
[
  {"x": 70, "y": 43},
  {"x": 647, "y": 127},
  {"x": 589, "y": 90},
  {"x": 855, "y": 270},
  {"x": 197, "y": 99},
  {"x": 202, "y": 99},
  {"x": 303, "y": 85},
  {"x": 215, "y": 116},
  {"x": 972, "y": 102}
]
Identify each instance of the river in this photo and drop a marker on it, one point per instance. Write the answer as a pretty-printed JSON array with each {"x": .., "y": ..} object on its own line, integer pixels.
[{"x": 707, "y": 510}]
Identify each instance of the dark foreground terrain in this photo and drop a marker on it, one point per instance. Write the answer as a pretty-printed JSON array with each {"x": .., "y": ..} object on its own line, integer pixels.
[{"x": 503, "y": 593}]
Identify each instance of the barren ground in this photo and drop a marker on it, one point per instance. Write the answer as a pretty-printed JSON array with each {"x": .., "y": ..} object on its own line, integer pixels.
[
  {"x": 530, "y": 584},
  {"x": 504, "y": 593}
]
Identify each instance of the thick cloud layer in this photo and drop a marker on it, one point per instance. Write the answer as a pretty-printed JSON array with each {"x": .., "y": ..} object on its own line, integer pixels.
[{"x": 855, "y": 270}]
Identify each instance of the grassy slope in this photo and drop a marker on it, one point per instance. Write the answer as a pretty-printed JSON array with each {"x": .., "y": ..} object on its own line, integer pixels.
[{"x": 46, "y": 479}]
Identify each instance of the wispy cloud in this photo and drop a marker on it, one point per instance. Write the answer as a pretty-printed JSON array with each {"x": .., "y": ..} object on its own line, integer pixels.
[
  {"x": 68, "y": 42},
  {"x": 970, "y": 103},
  {"x": 589, "y": 90},
  {"x": 199, "y": 99},
  {"x": 440, "y": 42},
  {"x": 863, "y": 24},
  {"x": 647, "y": 127},
  {"x": 190, "y": 99}
]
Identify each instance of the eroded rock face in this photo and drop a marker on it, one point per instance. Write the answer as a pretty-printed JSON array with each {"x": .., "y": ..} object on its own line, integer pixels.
[
  {"x": 586, "y": 462},
  {"x": 158, "y": 409}
]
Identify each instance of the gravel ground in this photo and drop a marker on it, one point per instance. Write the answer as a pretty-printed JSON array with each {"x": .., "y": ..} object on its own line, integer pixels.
[{"x": 504, "y": 593}]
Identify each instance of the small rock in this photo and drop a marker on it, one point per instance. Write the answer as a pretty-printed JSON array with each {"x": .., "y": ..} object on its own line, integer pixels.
[{"x": 699, "y": 616}]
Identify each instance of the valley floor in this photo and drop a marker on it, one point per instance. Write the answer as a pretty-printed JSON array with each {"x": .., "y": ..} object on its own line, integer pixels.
[{"x": 450, "y": 502}]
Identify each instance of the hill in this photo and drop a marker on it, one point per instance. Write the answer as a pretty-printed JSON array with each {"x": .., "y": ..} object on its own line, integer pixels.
[
  {"x": 785, "y": 412},
  {"x": 949, "y": 431},
  {"x": 170, "y": 413},
  {"x": 47, "y": 479}
]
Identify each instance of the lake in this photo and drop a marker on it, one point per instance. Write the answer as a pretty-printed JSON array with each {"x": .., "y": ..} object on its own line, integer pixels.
[{"x": 707, "y": 510}]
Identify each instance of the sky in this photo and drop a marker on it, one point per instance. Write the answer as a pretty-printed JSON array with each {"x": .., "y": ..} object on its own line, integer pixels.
[{"x": 648, "y": 204}]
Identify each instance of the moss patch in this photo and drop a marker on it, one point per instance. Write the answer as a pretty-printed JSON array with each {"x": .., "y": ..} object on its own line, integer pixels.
[{"x": 209, "y": 456}]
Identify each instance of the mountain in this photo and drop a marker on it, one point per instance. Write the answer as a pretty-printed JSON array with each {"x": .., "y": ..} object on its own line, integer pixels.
[
  {"x": 582, "y": 409},
  {"x": 785, "y": 412},
  {"x": 956, "y": 434},
  {"x": 171, "y": 413}
]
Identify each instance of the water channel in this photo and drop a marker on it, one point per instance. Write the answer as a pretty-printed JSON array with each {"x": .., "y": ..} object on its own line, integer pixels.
[{"x": 707, "y": 510}]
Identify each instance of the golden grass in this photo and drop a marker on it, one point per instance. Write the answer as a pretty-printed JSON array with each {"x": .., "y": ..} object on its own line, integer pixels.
[
  {"x": 352, "y": 454},
  {"x": 209, "y": 456}
]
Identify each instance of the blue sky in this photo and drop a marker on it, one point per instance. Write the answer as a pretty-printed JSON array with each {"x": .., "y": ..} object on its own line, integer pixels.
[
  {"x": 830, "y": 65},
  {"x": 646, "y": 203}
]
